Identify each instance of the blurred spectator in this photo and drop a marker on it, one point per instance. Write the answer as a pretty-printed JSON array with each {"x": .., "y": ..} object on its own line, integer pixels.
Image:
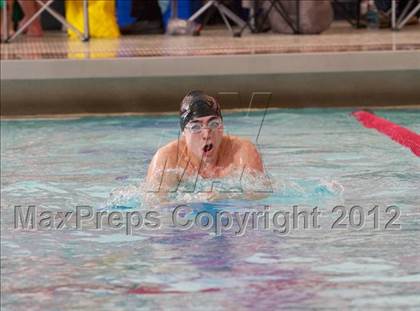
[
  {"x": 102, "y": 18},
  {"x": 148, "y": 18},
  {"x": 29, "y": 8},
  {"x": 384, "y": 8},
  {"x": 17, "y": 17},
  {"x": 315, "y": 16}
]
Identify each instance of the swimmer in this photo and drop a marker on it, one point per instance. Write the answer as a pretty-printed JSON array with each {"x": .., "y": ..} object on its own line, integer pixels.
[{"x": 202, "y": 148}]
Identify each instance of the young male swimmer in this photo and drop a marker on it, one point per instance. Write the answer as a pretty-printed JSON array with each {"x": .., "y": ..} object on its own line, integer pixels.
[{"x": 202, "y": 148}]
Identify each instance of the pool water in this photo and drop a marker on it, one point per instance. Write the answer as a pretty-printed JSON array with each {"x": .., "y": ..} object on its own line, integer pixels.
[{"x": 313, "y": 157}]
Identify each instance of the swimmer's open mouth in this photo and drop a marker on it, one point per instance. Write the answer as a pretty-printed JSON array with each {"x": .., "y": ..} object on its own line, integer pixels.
[{"x": 207, "y": 147}]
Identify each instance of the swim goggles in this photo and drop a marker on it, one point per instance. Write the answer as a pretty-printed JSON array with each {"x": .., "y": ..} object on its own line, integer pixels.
[{"x": 196, "y": 127}]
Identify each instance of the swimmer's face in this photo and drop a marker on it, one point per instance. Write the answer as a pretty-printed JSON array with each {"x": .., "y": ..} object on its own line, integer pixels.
[{"x": 203, "y": 137}]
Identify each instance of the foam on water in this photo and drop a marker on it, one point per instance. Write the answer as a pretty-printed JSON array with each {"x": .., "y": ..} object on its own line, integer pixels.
[{"x": 260, "y": 188}]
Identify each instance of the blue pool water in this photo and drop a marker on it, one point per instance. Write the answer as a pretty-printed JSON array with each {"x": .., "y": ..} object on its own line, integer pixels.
[{"x": 313, "y": 157}]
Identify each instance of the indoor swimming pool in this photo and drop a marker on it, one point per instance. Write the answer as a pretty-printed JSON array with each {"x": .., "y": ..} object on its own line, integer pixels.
[{"x": 314, "y": 158}]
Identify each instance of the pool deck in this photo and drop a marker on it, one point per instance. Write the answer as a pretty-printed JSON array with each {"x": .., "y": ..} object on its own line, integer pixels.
[{"x": 341, "y": 67}]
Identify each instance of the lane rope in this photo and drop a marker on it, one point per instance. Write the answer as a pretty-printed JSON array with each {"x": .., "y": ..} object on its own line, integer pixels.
[{"x": 397, "y": 133}]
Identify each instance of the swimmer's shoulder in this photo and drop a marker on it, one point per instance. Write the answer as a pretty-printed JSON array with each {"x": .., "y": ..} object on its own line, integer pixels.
[
  {"x": 246, "y": 153},
  {"x": 173, "y": 145},
  {"x": 167, "y": 155},
  {"x": 165, "y": 158},
  {"x": 239, "y": 143}
]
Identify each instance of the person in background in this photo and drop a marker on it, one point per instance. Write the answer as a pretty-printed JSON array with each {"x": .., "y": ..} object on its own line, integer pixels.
[
  {"x": 29, "y": 8},
  {"x": 148, "y": 16},
  {"x": 384, "y": 10}
]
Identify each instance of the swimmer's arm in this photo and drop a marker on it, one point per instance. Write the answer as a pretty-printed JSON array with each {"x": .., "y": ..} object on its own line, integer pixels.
[
  {"x": 248, "y": 162},
  {"x": 160, "y": 181},
  {"x": 250, "y": 158},
  {"x": 251, "y": 163}
]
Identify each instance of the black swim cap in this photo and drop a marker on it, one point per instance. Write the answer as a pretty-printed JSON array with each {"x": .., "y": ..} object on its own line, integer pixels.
[{"x": 197, "y": 104}]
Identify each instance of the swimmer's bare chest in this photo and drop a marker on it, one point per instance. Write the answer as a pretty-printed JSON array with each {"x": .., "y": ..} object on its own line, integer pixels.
[
  {"x": 226, "y": 165},
  {"x": 185, "y": 169}
]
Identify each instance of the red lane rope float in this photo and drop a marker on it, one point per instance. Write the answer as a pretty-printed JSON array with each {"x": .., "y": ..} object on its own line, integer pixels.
[{"x": 397, "y": 133}]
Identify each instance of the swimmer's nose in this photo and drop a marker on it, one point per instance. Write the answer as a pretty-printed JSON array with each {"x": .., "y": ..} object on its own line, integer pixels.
[
  {"x": 205, "y": 131},
  {"x": 206, "y": 134}
]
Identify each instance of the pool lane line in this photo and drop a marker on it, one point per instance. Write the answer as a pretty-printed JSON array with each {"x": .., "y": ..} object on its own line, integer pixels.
[{"x": 401, "y": 135}]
